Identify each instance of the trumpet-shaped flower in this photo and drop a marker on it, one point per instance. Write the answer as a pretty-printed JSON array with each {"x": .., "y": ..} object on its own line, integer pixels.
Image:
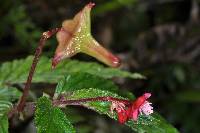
[{"x": 75, "y": 37}]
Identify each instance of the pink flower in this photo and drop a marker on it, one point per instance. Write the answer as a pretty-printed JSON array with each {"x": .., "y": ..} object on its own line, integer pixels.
[
  {"x": 132, "y": 111},
  {"x": 146, "y": 108},
  {"x": 140, "y": 105}
]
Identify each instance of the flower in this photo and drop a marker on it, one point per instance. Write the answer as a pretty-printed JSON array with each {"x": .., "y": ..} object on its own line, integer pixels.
[
  {"x": 133, "y": 110},
  {"x": 117, "y": 106},
  {"x": 146, "y": 108},
  {"x": 140, "y": 105},
  {"x": 120, "y": 109},
  {"x": 75, "y": 37}
]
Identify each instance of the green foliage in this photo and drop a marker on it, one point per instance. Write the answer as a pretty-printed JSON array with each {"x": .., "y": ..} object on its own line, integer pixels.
[
  {"x": 17, "y": 70},
  {"x": 7, "y": 94},
  {"x": 4, "y": 108},
  {"x": 76, "y": 81},
  {"x": 51, "y": 119},
  {"x": 101, "y": 107},
  {"x": 4, "y": 124},
  {"x": 82, "y": 80},
  {"x": 79, "y": 87},
  {"x": 150, "y": 124},
  {"x": 18, "y": 21}
]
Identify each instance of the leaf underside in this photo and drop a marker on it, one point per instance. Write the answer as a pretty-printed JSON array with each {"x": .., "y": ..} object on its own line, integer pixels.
[
  {"x": 7, "y": 95},
  {"x": 17, "y": 70},
  {"x": 78, "y": 89},
  {"x": 151, "y": 124},
  {"x": 82, "y": 80}
]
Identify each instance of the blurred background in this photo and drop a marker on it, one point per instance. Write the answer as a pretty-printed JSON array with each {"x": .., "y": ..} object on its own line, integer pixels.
[{"x": 158, "y": 38}]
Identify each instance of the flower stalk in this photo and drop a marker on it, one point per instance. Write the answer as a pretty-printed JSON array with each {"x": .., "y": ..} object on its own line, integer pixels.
[
  {"x": 73, "y": 37},
  {"x": 125, "y": 109},
  {"x": 84, "y": 100},
  {"x": 38, "y": 52}
]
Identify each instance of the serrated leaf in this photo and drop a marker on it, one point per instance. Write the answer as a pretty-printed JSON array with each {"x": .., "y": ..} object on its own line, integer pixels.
[
  {"x": 7, "y": 95},
  {"x": 151, "y": 124},
  {"x": 49, "y": 119},
  {"x": 76, "y": 81},
  {"x": 4, "y": 107},
  {"x": 17, "y": 70},
  {"x": 4, "y": 124}
]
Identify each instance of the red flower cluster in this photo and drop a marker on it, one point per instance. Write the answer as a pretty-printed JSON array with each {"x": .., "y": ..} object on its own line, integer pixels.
[{"x": 132, "y": 111}]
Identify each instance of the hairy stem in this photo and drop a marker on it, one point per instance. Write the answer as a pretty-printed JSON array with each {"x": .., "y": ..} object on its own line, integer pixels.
[
  {"x": 38, "y": 52},
  {"x": 79, "y": 101}
]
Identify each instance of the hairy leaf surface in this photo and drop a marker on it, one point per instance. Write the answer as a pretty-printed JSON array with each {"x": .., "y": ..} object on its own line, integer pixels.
[
  {"x": 49, "y": 119},
  {"x": 17, "y": 70},
  {"x": 73, "y": 86},
  {"x": 151, "y": 124}
]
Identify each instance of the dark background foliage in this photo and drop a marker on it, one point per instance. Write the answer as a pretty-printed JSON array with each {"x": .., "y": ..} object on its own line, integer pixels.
[{"x": 158, "y": 38}]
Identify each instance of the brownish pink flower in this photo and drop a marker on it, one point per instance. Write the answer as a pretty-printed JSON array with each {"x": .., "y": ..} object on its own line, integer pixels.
[{"x": 75, "y": 37}]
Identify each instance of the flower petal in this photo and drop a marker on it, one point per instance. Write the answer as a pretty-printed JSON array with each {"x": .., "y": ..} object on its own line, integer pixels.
[
  {"x": 76, "y": 37},
  {"x": 122, "y": 116},
  {"x": 135, "y": 114},
  {"x": 146, "y": 108}
]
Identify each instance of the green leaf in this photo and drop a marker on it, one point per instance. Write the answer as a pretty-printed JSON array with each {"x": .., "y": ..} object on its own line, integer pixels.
[
  {"x": 4, "y": 124},
  {"x": 7, "y": 95},
  {"x": 17, "y": 70},
  {"x": 150, "y": 124},
  {"x": 76, "y": 81},
  {"x": 49, "y": 119},
  {"x": 4, "y": 107}
]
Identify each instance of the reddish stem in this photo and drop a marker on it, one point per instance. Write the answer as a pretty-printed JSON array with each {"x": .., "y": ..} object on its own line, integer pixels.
[
  {"x": 38, "y": 52},
  {"x": 79, "y": 101}
]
